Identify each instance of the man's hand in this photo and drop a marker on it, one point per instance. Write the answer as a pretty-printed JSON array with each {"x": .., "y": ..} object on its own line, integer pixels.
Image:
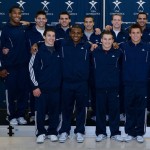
[
  {"x": 108, "y": 28},
  {"x": 25, "y": 23},
  {"x": 93, "y": 46},
  {"x": 37, "y": 92},
  {"x": 5, "y": 50},
  {"x": 115, "y": 45},
  {"x": 97, "y": 31},
  {"x": 3, "y": 73},
  {"x": 34, "y": 48}
]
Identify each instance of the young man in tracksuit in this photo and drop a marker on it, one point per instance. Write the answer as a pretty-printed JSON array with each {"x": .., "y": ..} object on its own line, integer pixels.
[
  {"x": 15, "y": 58},
  {"x": 45, "y": 74},
  {"x": 106, "y": 61},
  {"x": 75, "y": 61},
  {"x": 91, "y": 36},
  {"x": 136, "y": 66},
  {"x": 35, "y": 35}
]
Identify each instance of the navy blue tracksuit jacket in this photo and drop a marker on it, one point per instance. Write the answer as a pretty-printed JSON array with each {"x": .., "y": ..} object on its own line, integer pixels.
[
  {"x": 135, "y": 71},
  {"x": 106, "y": 66},
  {"x": 75, "y": 63},
  {"x": 45, "y": 74}
]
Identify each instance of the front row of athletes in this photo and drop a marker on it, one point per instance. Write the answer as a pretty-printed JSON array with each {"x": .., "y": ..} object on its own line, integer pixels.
[{"x": 66, "y": 65}]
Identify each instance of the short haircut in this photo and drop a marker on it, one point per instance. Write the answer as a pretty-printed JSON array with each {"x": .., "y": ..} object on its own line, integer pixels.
[
  {"x": 64, "y": 13},
  {"x": 142, "y": 13},
  {"x": 106, "y": 32},
  {"x": 14, "y": 7},
  {"x": 116, "y": 15},
  {"x": 50, "y": 29},
  {"x": 77, "y": 27},
  {"x": 135, "y": 26},
  {"x": 41, "y": 12},
  {"x": 89, "y": 16}
]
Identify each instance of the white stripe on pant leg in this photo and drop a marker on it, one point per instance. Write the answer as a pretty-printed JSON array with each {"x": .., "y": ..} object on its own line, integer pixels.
[
  {"x": 7, "y": 103},
  {"x": 36, "y": 123},
  {"x": 145, "y": 124}
]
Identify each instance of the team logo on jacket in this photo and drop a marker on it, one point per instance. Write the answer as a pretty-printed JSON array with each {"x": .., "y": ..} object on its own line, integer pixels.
[
  {"x": 143, "y": 50},
  {"x": 82, "y": 47},
  {"x": 113, "y": 56},
  {"x": 117, "y": 3},
  {"x": 21, "y": 5},
  {"x": 140, "y": 3}
]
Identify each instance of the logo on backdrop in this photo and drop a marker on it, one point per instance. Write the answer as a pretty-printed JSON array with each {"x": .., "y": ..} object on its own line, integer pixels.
[
  {"x": 2, "y": 13},
  {"x": 117, "y": 8},
  {"x": 93, "y": 7},
  {"x": 45, "y": 5},
  {"x": 21, "y": 3},
  {"x": 69, "y": 6},
  {"x": 140, "y": 3}
]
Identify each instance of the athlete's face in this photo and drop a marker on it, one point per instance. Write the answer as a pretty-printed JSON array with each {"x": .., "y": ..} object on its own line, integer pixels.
[
  {"x": 49, "y": 38},
  {"x": 142, "y": 20},
  {"x": 41, "y": 21},
  {"x": 76, "y": 35},
  {"x": 135, "y": 35},
  {"x": 116, "y": 21},
  {"x": 15, "y": 16},
  {"x": 107, "y": 41},
  {"x": 64, "y": 21},
  {"x": 88, "y": 23}
]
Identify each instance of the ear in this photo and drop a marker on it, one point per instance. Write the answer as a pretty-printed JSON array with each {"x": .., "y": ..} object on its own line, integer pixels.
[{"x": 43, "y": 37}]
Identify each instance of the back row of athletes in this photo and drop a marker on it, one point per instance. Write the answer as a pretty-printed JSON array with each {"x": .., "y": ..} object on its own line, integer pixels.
[{"x": 16, "y": 42}]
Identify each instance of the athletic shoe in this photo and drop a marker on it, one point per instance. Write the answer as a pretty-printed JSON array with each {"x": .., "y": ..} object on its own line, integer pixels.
[
  {"x": 21, "y": 120},
  {"x": 13, "y": 122},
  {"x": 140, "y": 139},
  {"x": 118, "y": 138},
  {"x": 53, "y": 138},
  {"x": 100, "y": 137},
  {"x": 40, "y": 139},
  {"x": 129, "y": 138},
  {"x": 63, "y": 137},
  {"x": 80, "y": 137}
]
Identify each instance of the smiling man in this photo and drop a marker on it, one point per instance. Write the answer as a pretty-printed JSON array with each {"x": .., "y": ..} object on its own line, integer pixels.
[
  {"x": 136, "y": 64},
  {"x": 15, "y": 62}
]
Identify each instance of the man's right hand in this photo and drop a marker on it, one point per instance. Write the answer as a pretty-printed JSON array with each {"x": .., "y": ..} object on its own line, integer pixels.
[
  {"x": 37, "y": 92},
  {"x": 3, "y": 73},
  {"x": 34, "y": 48}
]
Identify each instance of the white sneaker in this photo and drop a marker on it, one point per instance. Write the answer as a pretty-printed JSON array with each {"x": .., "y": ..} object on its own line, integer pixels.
[
  {"x": 140, "y": 139},
  {"x": 53, "y": 138},
  {"x": 21, "y": 120},
  {"x": 100, "y": 137},
  {"x": 122, "y": 117},
  {"x": 128, "y": 138},
  {"x": 40, "y": 139},
  {"x": 63, "y": 137},
  {"x": 80, "y": 137},
  {"x": 118, "y": 138},
  {"x": 13, "y": 122}
]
